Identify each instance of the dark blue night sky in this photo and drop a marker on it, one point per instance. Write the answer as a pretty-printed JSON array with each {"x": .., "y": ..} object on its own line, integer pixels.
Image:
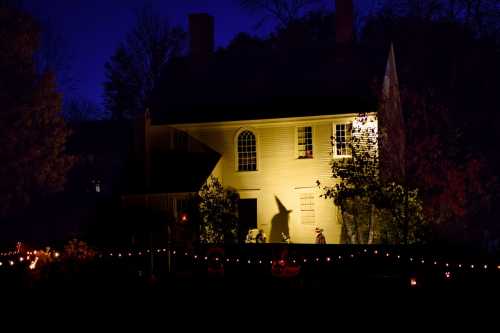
[{"x": 93, "y": 29}]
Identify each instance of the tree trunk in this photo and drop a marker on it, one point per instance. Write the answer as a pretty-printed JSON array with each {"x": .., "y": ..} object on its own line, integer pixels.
[{"x": 371, "y": 225}]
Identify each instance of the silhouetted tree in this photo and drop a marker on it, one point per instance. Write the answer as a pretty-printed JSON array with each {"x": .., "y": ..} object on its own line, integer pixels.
[
  {"x": 135, "y": 70},
  {"x": 283, "y": 11},
  {"x": 80, "y": 109},
  {"x": 32, "y": 131}
]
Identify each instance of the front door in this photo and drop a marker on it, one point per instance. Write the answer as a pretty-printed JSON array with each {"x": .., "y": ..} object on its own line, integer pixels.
[{"x": 247, "y": 210}]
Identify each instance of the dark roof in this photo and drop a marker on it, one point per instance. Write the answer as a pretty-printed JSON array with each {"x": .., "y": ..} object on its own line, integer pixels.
[
  {"x": 279, "y": 107},
  {"x": 181, "y": 171},
  {"x": 242, "y": 88}
]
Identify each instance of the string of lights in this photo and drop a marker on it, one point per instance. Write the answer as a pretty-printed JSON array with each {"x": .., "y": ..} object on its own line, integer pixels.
[{"x": 30, "y": 258}]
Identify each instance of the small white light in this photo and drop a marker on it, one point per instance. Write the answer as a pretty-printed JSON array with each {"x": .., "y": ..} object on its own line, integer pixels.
[
  {"x": 206, "y": 258},
  {"x": 485, "y": 266},
  {"x": 129, "y": 254},
  {"x": 365, "y": 250},
  {"x": 411, "y": 259},
  {"x": 340, "y": 257},
  {"x": 185, "y": 254},
  {"x": 447, "y": 275},
  {"x": 435, "y": 263},
  {"x": 216, "y": 258},
  {"x": 387, "y": 254},
  {"x": 460, "y": 265},
  {"x": 376, "y": 251},
  {"x": 140, "y": 253},
  {"x": 11, "y": 263},
  {"x": 471, "y": 266},
  {"x": 305, "y": 260},
  {"x": 423, "y": 261},
  {"x": 1, "y": 263},
  {"x": 174, "y": 252},
  {"x": 56, "y": 254},
  {"x": 164, "y": 250},
  {"x": 328, "y": 259},
  {"x": 398, "y": 256},
  {"x": 237, "y": 260},
  {"x": 158, "y": 250},
  {"x": 249, "y": 261},
  {"x": 317, "y": 259},
  {"x": 149, "y": 251},
  {"x": 21, "y": 259},
  {"x": 111, "y": 254},
  {"x": 119, "y": 255},
  {"x": 227, "y": 260},
  {"x": 260, "y": 261},
  {"x": 413, "y": 282},
  {"x": 446, "y": 265},
  {"x": 294, "y": 261},
  {"x": 352, "y": 255},
  {"x": 195, "y": 256}
]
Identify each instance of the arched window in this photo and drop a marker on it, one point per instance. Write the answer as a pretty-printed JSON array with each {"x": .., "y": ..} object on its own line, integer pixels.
[{"x": 247, "y": 151}]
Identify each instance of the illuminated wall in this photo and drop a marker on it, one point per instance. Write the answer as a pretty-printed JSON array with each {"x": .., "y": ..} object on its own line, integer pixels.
[{"x": 282, "y": 181}]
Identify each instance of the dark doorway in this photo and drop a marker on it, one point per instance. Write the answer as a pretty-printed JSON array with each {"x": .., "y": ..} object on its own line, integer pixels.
[{"x": 247, "y": 210}]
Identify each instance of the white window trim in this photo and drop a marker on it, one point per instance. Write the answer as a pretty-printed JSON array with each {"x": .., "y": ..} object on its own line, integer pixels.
[
  {"x": 334, "y": 135},
  {"x": 235, "y": 150},
  {"x": 296, "y": 142}
]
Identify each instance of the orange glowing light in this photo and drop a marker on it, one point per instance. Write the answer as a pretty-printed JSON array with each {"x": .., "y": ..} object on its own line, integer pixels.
[{"x": 413, "y": 282}]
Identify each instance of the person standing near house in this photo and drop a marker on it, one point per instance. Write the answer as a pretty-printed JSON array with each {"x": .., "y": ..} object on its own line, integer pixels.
[
  {"x": 261, "y": 237},
  {"x": 320, "y": 238}
]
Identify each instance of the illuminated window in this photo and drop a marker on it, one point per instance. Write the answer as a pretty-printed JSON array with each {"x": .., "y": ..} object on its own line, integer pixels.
[
  {"x": 343, "y": 134},
  {"x": 247, "y": 151},
  {"x": 307, "y": 208},
  {"x": 97, "y": 185},
  {"x": 304, "y": 142}
]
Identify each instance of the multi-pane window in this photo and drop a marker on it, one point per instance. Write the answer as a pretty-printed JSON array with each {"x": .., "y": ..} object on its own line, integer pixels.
[
  {"x": 304, "y": 141},
  {"x": 247, "y": 151},
  {"x": 307, "y": 208},
  {"x": 343, "y": 134}
]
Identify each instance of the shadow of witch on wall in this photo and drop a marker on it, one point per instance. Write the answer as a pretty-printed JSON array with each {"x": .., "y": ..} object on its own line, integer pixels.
[{"x": 279, "y": 223}]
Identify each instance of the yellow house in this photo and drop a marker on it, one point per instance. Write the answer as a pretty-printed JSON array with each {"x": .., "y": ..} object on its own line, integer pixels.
[
  {"x": 273, "y": 157},
  {"x": 274, "y": 164}
]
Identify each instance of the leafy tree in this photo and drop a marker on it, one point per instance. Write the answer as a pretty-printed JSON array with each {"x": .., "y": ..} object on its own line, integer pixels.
[
  {"x": 373, "y": 210},
  {"x": 136, "y": 68},
  {"x": 32, "y": 131},
  {"x": 218, "y": 212}
]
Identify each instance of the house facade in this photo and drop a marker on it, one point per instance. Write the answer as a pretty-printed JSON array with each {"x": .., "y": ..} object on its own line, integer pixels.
[{"x": 275, "y": 164}]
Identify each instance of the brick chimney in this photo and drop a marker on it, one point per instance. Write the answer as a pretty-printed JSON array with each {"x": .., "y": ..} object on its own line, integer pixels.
[
  {"x": 201, "y": 40},
  {"x": 344, "y": 22},
  {"x": 344, "y": 29}
]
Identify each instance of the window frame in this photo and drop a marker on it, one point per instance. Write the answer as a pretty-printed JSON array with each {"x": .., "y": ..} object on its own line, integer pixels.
[
  {"x": 334, "y": 135},
  {"x": 236, "y": 153},
  {"x": 297, "y": 156},
  {"x": 311, "y": 195}
]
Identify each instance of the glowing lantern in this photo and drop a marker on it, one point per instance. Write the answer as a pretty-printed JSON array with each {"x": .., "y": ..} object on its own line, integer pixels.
[{"x": 184, "y": 217}]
